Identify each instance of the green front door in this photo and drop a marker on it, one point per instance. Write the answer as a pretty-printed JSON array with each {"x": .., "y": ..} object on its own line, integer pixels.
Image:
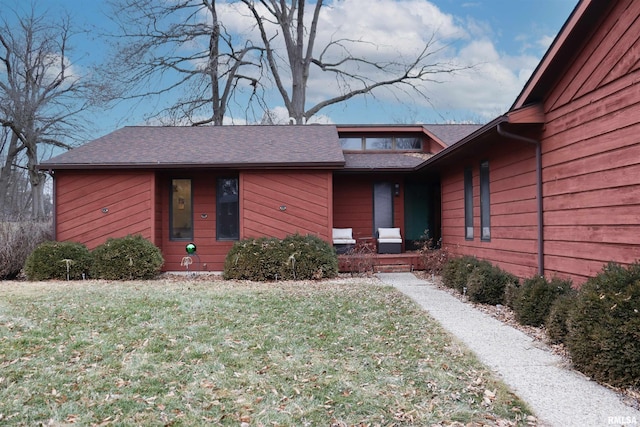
[{"x": 418, "y": 215}]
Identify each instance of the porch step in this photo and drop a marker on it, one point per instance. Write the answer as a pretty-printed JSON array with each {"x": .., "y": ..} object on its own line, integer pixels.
[
  {"x": 393, "y": 268},
  {"x": 383, "y": 263}
]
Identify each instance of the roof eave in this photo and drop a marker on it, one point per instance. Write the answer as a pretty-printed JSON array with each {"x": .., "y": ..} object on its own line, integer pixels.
[{"x": 155, "y": 166}]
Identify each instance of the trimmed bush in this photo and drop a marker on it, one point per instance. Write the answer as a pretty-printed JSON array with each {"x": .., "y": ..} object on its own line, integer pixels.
[
  {"x": 309, "y": 257},
  {"x": 534, "y": 298},
  {"x": 455, "y": 273},
  {"x": 58, "y": 260},
  {"x": 559, "y": 313},
  {"x": 294, "y": 258},
  {"x": 481, "y": 281},
  {"x": 486, "y": 283},
  {"x": 126, "y": 258},
  {"x": 17, "y": 241},
  {"x": 254, "y": 259},
  {"x": 604, "y": 326}
]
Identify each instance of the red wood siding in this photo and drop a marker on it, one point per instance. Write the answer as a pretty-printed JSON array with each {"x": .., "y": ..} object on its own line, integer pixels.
[
  {"x": 512, "y": 206},
  {"x": 591, "y": 153},
  {"x": 211, "y": 253},
  {"x": 305, "y": 195},
  {"x": 81, "y": 196},
  {"x": 353, "y": 203}
]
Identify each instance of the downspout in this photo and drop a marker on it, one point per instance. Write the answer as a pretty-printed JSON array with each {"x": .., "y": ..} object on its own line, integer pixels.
[{"x": 538, "y": 145}]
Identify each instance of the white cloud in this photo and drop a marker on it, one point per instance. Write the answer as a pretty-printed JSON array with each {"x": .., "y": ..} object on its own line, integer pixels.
[{"x": 390, "y": 30}]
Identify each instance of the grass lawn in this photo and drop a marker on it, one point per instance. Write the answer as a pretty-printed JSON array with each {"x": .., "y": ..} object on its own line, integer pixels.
[{"x": 166, "y": 352}]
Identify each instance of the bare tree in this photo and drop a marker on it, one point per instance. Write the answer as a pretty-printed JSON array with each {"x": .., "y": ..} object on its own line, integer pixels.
[
  {"x": 288, "y": 21},
  {"x": 181, "y": 48},
  {"x": 40, "y": 96}
]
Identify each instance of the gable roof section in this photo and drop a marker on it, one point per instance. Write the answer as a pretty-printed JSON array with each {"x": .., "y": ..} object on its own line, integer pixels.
[
  {"x": 580, "y": 24},
  {"x": 451, "y": 133},
  {"x": 312, "y": 146}
]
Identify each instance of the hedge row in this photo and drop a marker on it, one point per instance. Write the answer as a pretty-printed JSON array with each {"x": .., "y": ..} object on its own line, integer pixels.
[
  {"x": 599, "y": 323},
  {"x": 125, "y": 258}
]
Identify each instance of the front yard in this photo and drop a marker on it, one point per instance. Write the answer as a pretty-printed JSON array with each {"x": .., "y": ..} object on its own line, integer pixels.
[{"x": 175, "y": 352}]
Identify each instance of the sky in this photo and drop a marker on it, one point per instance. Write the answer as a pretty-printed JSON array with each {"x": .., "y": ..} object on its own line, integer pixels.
[{"x": 504, "y": 40}]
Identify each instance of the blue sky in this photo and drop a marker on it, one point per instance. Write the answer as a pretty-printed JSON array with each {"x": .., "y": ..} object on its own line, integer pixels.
[{"x": 505, "y": 39}]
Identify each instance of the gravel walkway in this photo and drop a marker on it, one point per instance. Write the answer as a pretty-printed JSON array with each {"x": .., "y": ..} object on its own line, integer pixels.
[{"x": 558, "y": 396}]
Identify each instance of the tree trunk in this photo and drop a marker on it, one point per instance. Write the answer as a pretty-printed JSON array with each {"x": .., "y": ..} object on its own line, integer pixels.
[
  {"x": 36, "y": 179},
  {"x": 6, "y": 173}
]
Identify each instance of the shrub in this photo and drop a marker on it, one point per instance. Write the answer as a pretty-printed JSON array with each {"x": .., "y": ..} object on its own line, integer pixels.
[
  {"x": 434, "y": 259},
  {"x": 361, "y": 259},
  {"x": 455, "y": 272},
  {"x": 604, "y": 326},
  {"x": 17, "y": 241},
  {"x": 126, "y": 258},
  {"x": 559, "y": 313},
  {"x": 308, "y": 257},
  {"x": 486, "y": 283},
  {"x": 294, "y": 258},
  {"x": 534, "y": 298},
  {"x": 58, "y": 260},
  {"x": 252, "y": 259}
]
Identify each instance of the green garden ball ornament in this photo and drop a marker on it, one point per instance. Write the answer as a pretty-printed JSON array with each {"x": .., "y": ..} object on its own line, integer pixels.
[{"x": 191, "y": 248}]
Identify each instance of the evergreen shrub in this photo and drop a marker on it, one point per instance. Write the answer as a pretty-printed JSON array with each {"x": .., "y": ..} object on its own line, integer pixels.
[
  {"x": 295, "y": 257},
  {"x": 559, "y": 313},
  {"x": 604, "y": 326},
  {"x": 535, "y": 296},
  {"x": 455, "y": 272},
  {"x": 486, "y": 283},
  {"x": 126, "y": 258},
  {"x": 58, "y": 260}
]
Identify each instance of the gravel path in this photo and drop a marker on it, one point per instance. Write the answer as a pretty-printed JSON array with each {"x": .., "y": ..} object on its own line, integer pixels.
[{"x": 557, "y": 395}]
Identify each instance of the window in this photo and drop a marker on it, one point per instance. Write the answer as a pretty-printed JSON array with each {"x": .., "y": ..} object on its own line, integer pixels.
[
  {"x": 378, "y": 144},
  {"x": 227, "y": 209},
  {"x": 468, "y": 204},
  {"x": 384, "y": 143},
  {"x": 351, "y": 143},
  {"x": 485, "y": 205},
  {"x": 181, "y": 213},
  {"x": 408, "y": 144}
]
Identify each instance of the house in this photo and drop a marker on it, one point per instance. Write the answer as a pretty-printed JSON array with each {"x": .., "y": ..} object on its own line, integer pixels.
[
  {"x": 215, "y": 185},
  {"x": 552, "y": 187}
]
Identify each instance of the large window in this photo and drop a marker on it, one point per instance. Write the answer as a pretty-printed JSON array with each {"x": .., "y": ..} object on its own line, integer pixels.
[
  {"x": 468, "y": 204},
  {"x": 227, "y": 209},
  {"x": 181, "y": 213},
  {"x": 485, "y": 205}
]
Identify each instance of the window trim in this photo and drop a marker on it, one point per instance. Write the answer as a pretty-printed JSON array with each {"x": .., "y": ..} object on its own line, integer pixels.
[
  {"x": 485, "y": 202},
  {"x": 171, "y": 209},
  {"x": 468, "y": 204}
]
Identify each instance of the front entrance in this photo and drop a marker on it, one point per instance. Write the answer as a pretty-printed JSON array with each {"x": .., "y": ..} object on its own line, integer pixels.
[
  {"x": 419, "y": 221},
  {"x": 382, "y": 205}
]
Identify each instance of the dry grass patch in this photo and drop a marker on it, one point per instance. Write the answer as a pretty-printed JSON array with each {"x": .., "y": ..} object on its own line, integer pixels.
[{"x": 169, "y": 352}]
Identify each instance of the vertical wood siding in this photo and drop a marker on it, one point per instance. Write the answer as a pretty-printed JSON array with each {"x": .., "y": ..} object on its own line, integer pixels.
[
  {"x": 591, "y": 153},
  {"x": 305, "y": 195},
  {"x": 513, "y": 209},
  {"x": 81, "y": 196}
]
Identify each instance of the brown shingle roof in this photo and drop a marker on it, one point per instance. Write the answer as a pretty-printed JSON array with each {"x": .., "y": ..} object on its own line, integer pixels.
[
  {"x": 451, "y": 133},
  {"x": 384, "y": 161},
  {"x": 206, "y": 146}
]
